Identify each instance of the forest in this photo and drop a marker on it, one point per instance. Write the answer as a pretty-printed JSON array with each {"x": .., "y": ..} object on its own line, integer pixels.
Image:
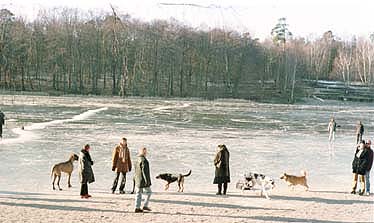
[{"x": 69, "y": 51}]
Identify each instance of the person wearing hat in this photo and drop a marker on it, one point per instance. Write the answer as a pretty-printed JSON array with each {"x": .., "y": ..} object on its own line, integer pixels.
[{"x": 86, "y": 174}]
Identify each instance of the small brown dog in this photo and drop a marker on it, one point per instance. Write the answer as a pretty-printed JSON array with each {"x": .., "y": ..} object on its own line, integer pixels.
[
  {"x": 292, "y": 181},
  {"x": 66, "y": 167}
]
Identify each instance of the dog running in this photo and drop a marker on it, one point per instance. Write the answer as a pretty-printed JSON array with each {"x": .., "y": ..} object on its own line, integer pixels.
[
  {"x": 170, "y": 178},
  {"x": 293, "y": 181},
  {"x": 251, "y": 179},
  {"x": 66, "y": 167}
]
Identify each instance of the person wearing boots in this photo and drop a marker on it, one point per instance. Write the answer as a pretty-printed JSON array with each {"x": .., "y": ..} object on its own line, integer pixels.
[
  {"x": 86, "y": 174},
  {"x": 121, "y": 164},
  {"x": 222, "y": 165}
]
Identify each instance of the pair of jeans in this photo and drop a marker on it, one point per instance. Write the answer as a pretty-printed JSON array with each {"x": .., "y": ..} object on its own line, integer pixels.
[
  {"x": 123, "y": 181},
  {"x": 84, "y": 189},
  {"x": 138, "y": 196},
  {"x": 367, "y": 181}
]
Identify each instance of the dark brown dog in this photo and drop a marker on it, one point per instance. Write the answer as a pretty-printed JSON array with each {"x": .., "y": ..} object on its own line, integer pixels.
[{"x": 170, "y": 178}]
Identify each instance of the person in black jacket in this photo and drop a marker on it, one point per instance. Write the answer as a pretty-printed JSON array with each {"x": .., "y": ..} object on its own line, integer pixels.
[
  {"x": 370, "y": 164},
  {"x": 86, "y": 174},
  {"x": 359, "y": 167},
  {"x": 359, "y": 131},
  {"x": 2, "y": 122},
  {"x": 222, "y": 173}
]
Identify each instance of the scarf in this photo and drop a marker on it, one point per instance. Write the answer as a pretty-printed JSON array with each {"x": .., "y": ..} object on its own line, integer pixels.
[{"x": 122, "y": 153}]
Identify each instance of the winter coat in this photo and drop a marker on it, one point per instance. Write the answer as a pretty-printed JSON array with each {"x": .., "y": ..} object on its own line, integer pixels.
[
  {"x": 332, "y": 126},
  {"x": 121, "y": 160},
  {"x": 86, "y": 174},
  {"x": 360, "y": 163},
  {"x": 221, "y": 162},
  {"x": 370, "y": 159},
  {"x": 142, "y": 173},
  {"x": 2, "y": 118},
  {"x": 360, "y": 129}
]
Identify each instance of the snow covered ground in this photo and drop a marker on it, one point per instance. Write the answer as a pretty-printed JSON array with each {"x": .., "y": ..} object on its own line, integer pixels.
[{"x": 180, "y": 135}]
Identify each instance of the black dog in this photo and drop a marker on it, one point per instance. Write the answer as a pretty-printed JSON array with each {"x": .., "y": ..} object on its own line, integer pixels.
[{"x": 170, "y": 178}]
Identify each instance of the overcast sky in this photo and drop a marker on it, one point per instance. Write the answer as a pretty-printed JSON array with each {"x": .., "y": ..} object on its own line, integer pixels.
[{"x": 306, "y": 17}]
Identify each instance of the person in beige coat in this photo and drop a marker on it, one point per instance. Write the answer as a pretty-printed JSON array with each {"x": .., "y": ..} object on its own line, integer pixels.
[{"x": 121, "y": 163}]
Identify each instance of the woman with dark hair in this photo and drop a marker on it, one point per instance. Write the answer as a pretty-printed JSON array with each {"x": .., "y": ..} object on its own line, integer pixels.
[
  {"x": 86, "y": 174},
  {"x": 222, "y": 174}
]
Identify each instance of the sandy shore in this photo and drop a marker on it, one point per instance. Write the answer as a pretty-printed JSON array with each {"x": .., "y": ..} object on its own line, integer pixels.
[{"x": 284, "y": 206}]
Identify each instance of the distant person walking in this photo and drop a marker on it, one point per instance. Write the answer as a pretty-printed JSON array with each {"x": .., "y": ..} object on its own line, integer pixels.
[
  {"x": 121, "y": 164},
  {"x": 86, "y": 174},
  {"x": 359, "y": 131},
  {"x": 332, "y": 128},
  {"x": 359, "y": 167},
  {"x": 2, "y": 122},
  {"x": 222, "y": 173},
  {"x": 142, "y": 181},
  {"x": 370, "y": 164}
]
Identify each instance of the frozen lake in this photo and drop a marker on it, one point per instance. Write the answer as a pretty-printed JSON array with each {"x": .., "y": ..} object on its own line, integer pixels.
[{"x": 180, "y": 135}]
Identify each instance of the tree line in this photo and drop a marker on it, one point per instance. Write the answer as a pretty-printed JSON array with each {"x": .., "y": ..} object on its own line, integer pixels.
[{"x": 68, "y": 51}]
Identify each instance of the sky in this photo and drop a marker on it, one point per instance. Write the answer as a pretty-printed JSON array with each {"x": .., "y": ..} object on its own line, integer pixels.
[{"x": 306, "y": 18}]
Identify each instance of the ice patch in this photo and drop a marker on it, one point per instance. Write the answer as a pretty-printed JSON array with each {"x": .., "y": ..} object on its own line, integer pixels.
[
  {"x": 26, "y": 134},
  {"x": 168, "y": 107},
  {"x": 240, "y": 120}
]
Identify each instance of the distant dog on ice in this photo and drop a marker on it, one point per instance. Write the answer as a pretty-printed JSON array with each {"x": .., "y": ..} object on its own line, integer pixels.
[
  {"x": 293, "y": 181},
  {"x": 170, "y": 178},
  {"x": 66, "y": 167},
  {"x": 251, "y": 179}
]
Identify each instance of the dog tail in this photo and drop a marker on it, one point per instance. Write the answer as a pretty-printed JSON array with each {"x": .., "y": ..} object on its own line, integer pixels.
[
  {"x": 53, "y": 168},
  {"x": 303, "y": 172},
  {"x": 189, "y": 173}
]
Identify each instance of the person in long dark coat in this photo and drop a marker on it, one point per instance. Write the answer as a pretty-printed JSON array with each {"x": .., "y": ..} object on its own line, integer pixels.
[
  {"x": 370, "y": 164},
  {"x": 359, "y": 167},
  {"x": 222, "y": 173},
  {"x": 359, "y": 131},
  {"x": 2, "y": 122},
  {"x": 86, "y": 174}
]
